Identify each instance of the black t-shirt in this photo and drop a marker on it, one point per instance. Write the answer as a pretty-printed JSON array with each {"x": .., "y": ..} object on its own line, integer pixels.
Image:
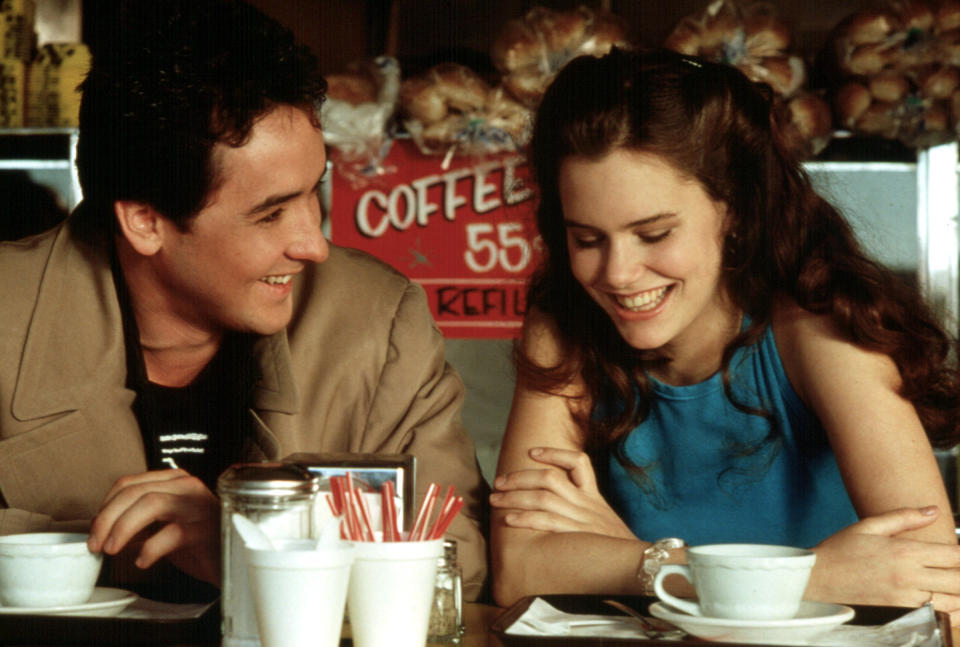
[{"x": 201, "y": 427}]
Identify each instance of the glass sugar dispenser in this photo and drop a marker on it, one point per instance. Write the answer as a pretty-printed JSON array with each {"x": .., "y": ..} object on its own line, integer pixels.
[{"x": 446, "y": 615}]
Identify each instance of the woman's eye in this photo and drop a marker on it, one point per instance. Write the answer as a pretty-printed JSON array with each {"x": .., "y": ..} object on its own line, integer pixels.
[
  {"x": 583, "y": 243},
  {"x": 655, "y": 238}
]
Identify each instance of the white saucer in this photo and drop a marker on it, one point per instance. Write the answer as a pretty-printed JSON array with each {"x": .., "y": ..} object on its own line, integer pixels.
[
  {"x": 104, "y": 602},
  {"x": 812, "y": 619}
]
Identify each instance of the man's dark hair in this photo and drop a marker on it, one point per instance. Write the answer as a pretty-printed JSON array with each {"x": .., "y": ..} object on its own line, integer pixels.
[{"x": 173, "y": 78}]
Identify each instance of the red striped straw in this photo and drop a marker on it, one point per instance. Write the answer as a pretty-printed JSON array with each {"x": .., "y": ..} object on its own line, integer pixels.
[
  {"x": 445, "y": 518},
  {"x": 385, "y": 512},
  {"x": 366, "y": 530},
  {"x": 391, "y": 531},
  {"x": 445, "y": 506},
  {"x": 426, "y": 508}
]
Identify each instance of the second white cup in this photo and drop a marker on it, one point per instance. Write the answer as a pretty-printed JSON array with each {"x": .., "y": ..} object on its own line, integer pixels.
[
  {"x": 391, "y": 591},
  {"x": 741, "y": 581}
]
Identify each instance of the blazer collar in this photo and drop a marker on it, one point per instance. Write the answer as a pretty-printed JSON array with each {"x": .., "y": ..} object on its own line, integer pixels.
[{"x": 74, "y": 347}]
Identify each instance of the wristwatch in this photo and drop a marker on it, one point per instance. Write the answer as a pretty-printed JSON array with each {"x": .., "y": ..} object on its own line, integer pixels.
[{"x": 653, "y": 558}]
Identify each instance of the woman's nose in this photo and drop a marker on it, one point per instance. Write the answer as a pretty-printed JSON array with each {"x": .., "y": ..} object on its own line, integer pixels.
[{"x": 621, "y": 265}]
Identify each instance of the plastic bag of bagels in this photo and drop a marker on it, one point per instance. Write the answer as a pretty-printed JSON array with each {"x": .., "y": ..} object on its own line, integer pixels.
[
  {"x": 530, "y": 50},
  {"x": 449, "y": 110},
  {"x": 894, "y": 68},
  {"x": 753, "y": 38},
  {"x": 358, "y": 116}
]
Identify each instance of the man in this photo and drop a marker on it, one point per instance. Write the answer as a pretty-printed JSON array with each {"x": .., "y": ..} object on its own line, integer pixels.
[{"x": 190, "y": 313}]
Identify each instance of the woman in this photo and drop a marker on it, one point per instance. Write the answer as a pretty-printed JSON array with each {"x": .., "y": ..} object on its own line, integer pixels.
[{"x": 709, "y": 355}]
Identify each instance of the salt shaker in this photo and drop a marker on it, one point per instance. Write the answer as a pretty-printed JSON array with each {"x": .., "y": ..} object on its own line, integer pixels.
[
  {"x": 278, "y": 497},
  {"x": 446, "y": 615}
]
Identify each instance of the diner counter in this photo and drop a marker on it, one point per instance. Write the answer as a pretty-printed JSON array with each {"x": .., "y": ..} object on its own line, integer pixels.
[{"x": 479, "y": 619}]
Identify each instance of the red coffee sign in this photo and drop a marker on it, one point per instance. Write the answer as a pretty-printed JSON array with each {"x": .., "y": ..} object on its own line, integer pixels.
[{"x": 463, "y": 228}]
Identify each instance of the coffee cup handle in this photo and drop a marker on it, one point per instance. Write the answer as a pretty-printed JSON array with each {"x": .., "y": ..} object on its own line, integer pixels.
[{"x": 684, "y": 605}]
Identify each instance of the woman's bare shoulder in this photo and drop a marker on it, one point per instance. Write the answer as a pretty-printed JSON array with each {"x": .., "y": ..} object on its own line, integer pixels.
[{"x": 815, "y": 351}]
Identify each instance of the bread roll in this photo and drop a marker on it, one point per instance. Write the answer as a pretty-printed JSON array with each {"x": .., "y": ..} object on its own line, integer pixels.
[
  {"x": 445, "y": 88},
  {"x": 351, "y": 88},
  {"x": 531, "y": 50},
  {"x": 936, "y": 118},
  {"x": 562, "y": 31},
  {"x": 810, "y": 115},
  {"x": 851, "y": 100},
  {"x": 878, "y": 119},
  {"x": 868, "y": 59},
  {"x": 889, "y": 86},
  {"x": 915, "y": 15},
  {"x": 765, "y": 34},
  {"x": 948, "y": 45},
  {"x": 947, "y": 16},
  {"x": 870, "y": 26},
  {"x": 527, "y": 85},
  {"x": 517, "y": 46},
  {"x": 504, "y": 113},
  {"x": 421, "y": 100},
  {"x": 684, "y": 38},
  {"x": 938, "y": 81},
  {"x": 606, "y": 31},
  {"x": 720, "y": 27},
  {"x": 785, "y": 74},
  {"x": 463, "y": 89}
]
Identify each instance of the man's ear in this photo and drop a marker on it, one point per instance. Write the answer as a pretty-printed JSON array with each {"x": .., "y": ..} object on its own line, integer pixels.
[{"x": 140, "y": 224}]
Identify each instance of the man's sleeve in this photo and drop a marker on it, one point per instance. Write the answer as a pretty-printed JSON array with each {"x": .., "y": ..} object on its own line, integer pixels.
[
  {"x": 15, "y": 521},
  {"x": 419, "y": 399}
]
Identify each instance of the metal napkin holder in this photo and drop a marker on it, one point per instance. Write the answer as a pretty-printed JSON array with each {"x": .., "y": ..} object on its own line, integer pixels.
[{"x": 370, "y": 471}]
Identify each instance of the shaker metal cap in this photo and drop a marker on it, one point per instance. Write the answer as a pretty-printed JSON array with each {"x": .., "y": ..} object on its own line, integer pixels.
[{"x": 267, "y": 479}]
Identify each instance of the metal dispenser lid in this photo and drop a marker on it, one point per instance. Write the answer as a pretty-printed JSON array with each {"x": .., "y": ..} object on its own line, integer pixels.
[{"x": 267, "y": 479}]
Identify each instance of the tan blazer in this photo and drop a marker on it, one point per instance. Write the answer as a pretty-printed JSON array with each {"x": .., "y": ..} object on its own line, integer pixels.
[{"x": 360, "y": 368}]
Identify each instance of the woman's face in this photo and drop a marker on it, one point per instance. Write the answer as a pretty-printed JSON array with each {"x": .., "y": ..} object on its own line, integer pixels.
[{"x": 646, "y": 244}]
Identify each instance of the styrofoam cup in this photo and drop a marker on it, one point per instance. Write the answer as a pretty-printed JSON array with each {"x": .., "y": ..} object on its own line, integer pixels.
[
  {"x": 299, "y": 591},
  {"x": 391, "y": 591}
]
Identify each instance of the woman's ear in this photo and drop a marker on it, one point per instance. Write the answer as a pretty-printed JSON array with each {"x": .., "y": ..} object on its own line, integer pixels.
[{"x": 140, "y": 225}]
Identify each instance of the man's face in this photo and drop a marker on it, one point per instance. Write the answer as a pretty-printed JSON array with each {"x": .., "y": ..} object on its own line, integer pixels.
[{"x": 233, "y": 269}]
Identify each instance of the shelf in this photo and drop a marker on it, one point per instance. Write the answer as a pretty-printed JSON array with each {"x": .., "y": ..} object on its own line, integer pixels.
[{"x": 43, "y": 150}]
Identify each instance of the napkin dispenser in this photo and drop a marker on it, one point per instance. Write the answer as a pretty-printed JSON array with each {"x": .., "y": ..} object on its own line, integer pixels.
[{"x": 369, "y": 472}]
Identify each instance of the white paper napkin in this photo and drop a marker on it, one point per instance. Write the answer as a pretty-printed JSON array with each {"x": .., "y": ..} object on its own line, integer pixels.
[
  {"x": 917, "y": 628},
  {"x": 543, "y": 619}
]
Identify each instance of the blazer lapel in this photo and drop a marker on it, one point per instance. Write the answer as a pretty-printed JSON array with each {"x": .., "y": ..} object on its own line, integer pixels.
[
  {"x": 74, "y": 347},
  {"x": 275, "y": 397}
]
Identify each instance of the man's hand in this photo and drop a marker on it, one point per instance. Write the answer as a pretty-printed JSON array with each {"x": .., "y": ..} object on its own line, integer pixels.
[
  {"x": 187, "y": 513},
  {"x": 557, "y": 500}
]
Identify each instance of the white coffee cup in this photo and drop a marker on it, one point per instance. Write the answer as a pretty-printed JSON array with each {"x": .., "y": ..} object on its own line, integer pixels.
[
  {"x": 391, "y": 592},
  {"x": 741, "y": 581},
  {"x": 47, "y": 569},
  {"x": 299, "y": 591}
]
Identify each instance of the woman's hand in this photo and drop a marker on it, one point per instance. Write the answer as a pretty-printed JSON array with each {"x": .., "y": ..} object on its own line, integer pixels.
[
  {"x": 866, "y": 563},
  {"x": 552, "y": 500}
]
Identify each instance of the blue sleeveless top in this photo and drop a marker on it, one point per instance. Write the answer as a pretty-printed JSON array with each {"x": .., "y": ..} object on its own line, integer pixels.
[{"x": 713, "y": 475}]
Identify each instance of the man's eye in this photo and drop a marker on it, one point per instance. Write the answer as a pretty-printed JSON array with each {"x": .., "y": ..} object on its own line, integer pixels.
[{"x": 271, "y": 217}]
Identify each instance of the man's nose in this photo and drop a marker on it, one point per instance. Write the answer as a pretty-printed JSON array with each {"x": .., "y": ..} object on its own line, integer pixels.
[{"x": 309, "y": 243}]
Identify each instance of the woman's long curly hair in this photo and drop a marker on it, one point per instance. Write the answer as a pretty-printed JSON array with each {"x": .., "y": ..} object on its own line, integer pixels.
[{"x": 717, "y": 127}]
